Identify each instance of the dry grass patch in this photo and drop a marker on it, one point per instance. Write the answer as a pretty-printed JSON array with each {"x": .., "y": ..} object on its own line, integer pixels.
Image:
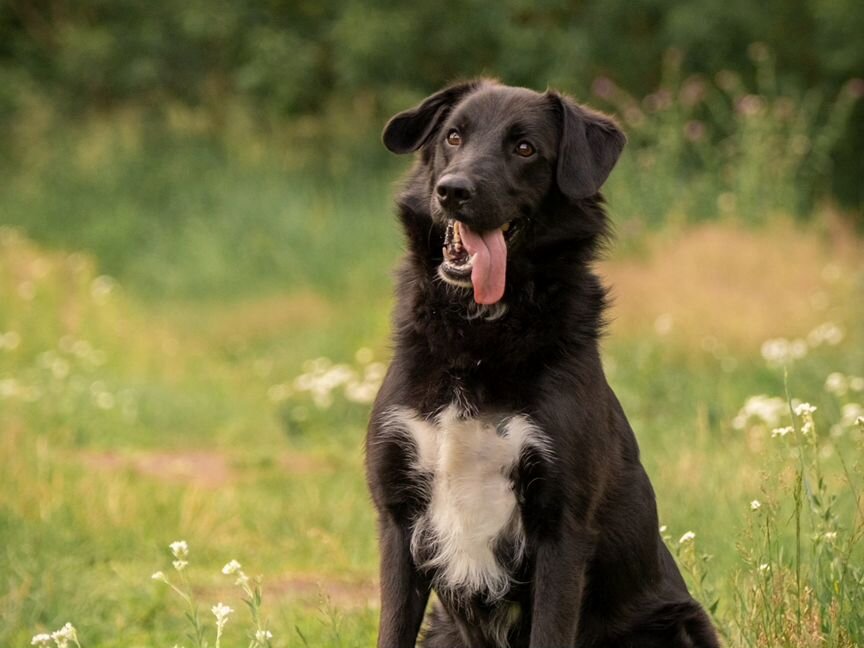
[
  {"x": 204, "y": 468},
  {"x": 737, "y": 285},
  {"x": 313, "y": 589},
  {"x": 264, "y": 318}
]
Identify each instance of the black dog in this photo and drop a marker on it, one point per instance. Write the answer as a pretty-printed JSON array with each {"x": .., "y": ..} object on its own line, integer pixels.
[{"x": 504, "y": 471}]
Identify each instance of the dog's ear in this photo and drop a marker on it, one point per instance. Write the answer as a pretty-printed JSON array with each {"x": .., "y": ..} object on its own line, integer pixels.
[
  {"x": 410, "y": 129},
  {"x": 588, "y": 149}
]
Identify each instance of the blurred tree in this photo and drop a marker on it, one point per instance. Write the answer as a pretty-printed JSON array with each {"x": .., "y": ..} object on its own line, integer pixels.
[{"x": 284, "y": 58}]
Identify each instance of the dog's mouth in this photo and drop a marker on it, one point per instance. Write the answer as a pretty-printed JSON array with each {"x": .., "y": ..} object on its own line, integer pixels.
[{"x": 477, "y": 260}]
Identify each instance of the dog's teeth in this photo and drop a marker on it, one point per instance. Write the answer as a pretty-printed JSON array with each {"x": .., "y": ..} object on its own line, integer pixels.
[
  {"x": 505, "y": 227},
  {"x": 456, "y": 238}
]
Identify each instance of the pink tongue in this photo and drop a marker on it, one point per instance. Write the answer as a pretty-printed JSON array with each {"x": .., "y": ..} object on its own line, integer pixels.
[{"x": 489, "y": 262}]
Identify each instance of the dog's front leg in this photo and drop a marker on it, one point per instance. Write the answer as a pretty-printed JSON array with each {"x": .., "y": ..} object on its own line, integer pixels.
[
  {"x": 559, "y": 575},
  {"x": 404, "y": 590}
]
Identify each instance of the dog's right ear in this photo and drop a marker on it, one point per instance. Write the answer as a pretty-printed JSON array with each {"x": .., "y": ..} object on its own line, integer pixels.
[
  {"x": 590, "y": 145},
  {"x": 410, "y": 129}
]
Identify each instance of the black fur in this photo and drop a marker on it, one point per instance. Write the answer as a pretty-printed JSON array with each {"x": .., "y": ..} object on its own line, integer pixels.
[{"x": 597, "y": 573}]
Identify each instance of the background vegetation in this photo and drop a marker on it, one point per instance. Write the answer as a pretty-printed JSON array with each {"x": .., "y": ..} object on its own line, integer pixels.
[
  {"x": 195, "y": 254},
  {"x": 355, "y": 62}
]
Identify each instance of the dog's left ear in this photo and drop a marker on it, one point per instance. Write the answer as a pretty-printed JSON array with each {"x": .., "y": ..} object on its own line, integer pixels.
[{"x": 588, "y": 149}]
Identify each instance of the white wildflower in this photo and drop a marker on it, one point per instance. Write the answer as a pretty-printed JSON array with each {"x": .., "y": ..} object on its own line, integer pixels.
[
  {"x": 782, "y": 431},
  {"x": 360, "y": 392},
  {"x": 104, "y": 400},
  {"x": 231, "y": 567},
  {"x": 687, "y": 537},
  {"x": 807, "y": 428},
  {"x": 64, "y": 635},
  {"x": 318, "y": 365},
  {"x": 836, "y": 383},
  {"x": 663, "y": 528},
  {"x": 82, "y": 348},
  {"x": 180, "y": 565},
  {"x": 375, "y": 372},
  {"x": 850, "y": 413},
  {"x": 263, "y": 636},
  {"x": 322, "y": 400},
  {"x": 159, "y": 576},
  {"x": 8, "y": 388},
  {"x": 804, "y": 409},
  {"x": 826, "y": 333},
  {"x": 101, "y": 288},
  {"x": 41, "y": 639},
  {"x": 180, "y": 549},
  {"x": 303, "y": 382},
  {"x": 829, "y": 536},
  {"x": 59, "y": 368},
  {"x": 221, "y": 612},
  {"x": 764, "y": 567},
  {"x": 780, "y": 351},
  {"x": 663, "y": 324},
  {"x": 279, "y": 392},
  {"x": 9, "y": 340},
  {"x": 364, "y": 355},
  {"x": 798, "y": 349},
  {"x": 337, "y": 375},
  {"x": 761, "y": 409},
  {"x": 755, "y": 505},
  {"x": 775, "y": 351}
]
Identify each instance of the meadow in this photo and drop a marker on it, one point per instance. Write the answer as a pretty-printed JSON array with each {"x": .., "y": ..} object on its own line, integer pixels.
[{"x": 192, "y": 329}]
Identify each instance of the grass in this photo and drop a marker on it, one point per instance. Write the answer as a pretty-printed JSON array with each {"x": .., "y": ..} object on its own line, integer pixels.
[
  {"x": 189, "y": 330},
  {"x": 88, "y": 507}
]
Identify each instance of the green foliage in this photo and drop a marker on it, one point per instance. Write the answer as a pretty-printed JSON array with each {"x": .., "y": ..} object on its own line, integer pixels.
[
  {"x": 281, "y": 60},
  {"x": 182, "y": 211},
  {"x": 729, "y": 147},
  {"x": 182, "y": 215}
]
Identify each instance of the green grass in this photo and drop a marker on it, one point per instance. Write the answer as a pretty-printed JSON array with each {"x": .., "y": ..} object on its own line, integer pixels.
[
  {"x": 231, "y": 271},
  {"x": 182, "y": 216}
]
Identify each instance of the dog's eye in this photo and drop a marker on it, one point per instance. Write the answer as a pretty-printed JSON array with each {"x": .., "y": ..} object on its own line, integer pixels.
[
  {"x": 525, "y": 149},
  {"x": 454, "y": 138}
]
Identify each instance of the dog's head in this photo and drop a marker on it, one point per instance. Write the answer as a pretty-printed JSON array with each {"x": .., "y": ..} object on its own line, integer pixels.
[{"x": 495, "y": 158}]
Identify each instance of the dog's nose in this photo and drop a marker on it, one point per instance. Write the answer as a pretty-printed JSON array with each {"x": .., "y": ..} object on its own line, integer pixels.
[{"x": 454, "y": 190}]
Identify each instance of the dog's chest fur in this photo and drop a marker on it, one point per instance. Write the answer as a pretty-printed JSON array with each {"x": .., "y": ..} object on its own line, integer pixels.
[{"x": 469, "y": 535}]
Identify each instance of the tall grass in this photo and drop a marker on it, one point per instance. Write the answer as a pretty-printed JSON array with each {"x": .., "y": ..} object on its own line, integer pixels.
[
  {"x": 181, "y": 214},
  {"x": 703, "y": 148},
  {"x": 88, "y": 498}
]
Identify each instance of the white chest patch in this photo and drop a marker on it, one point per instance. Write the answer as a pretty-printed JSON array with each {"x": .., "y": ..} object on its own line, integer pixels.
[{"x": 472, "y": 504}]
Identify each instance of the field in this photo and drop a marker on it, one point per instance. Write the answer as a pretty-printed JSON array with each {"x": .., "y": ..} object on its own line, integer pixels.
[{"x": 191, "y": 334}]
